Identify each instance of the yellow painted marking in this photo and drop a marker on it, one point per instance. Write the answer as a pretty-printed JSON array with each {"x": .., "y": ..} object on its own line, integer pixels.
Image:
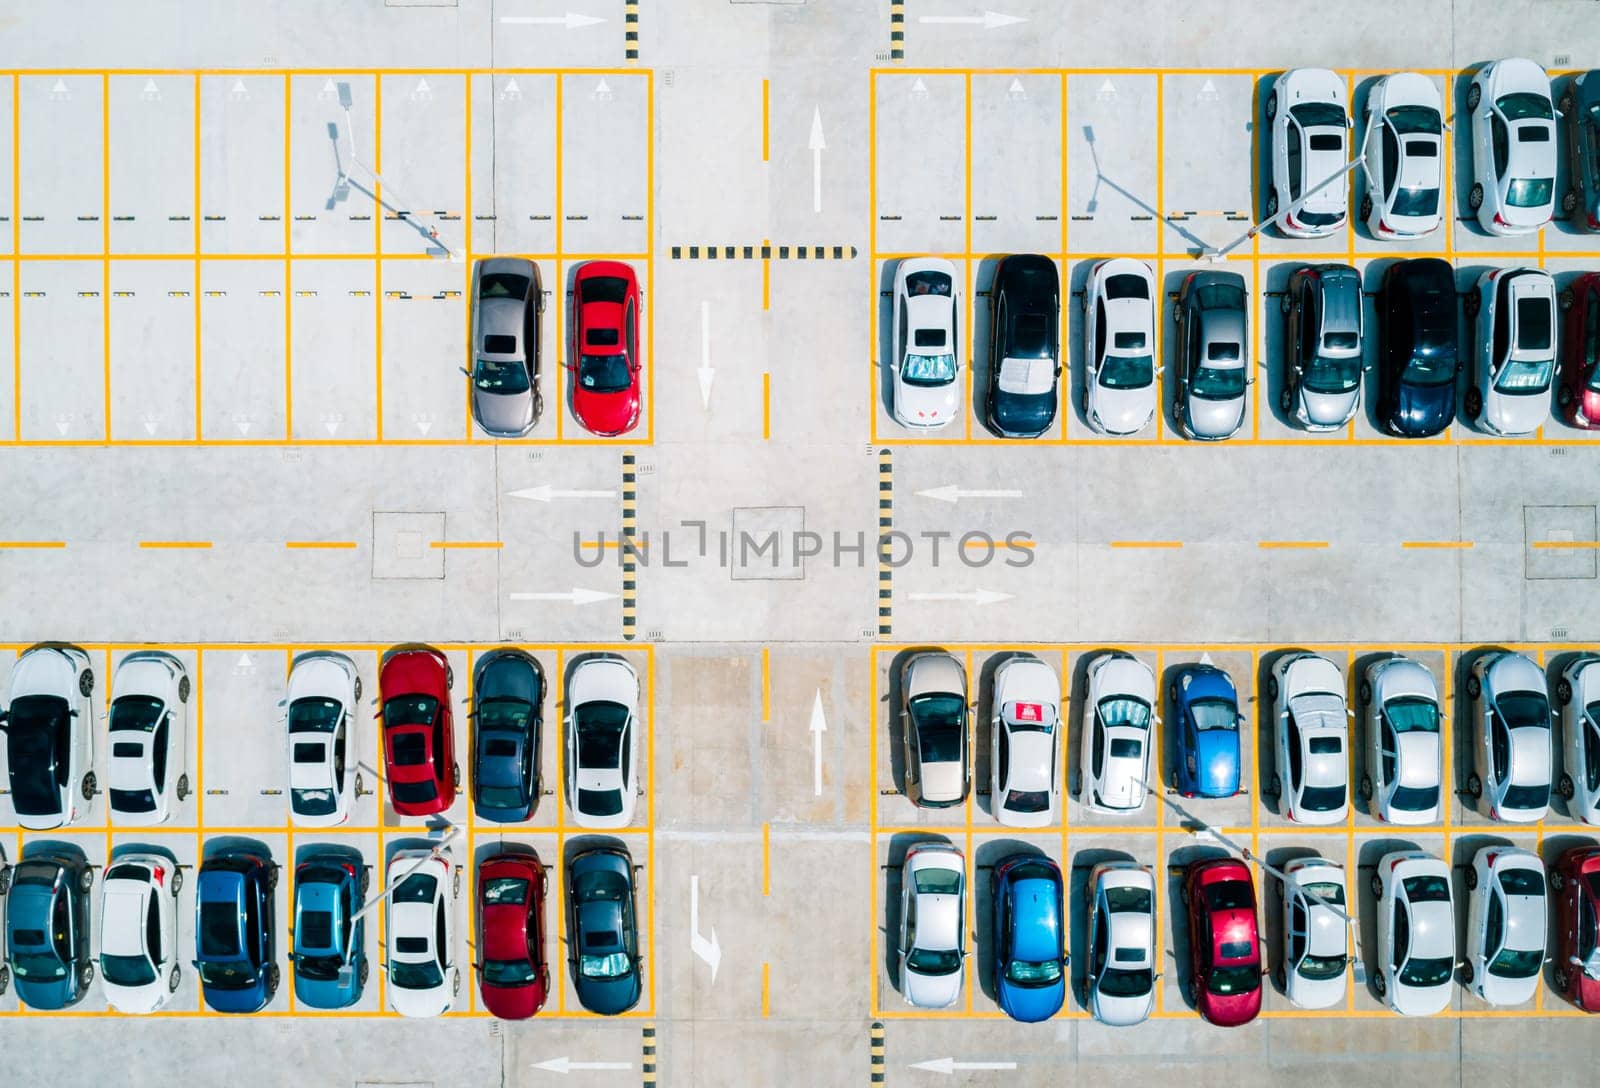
[
  {"x": 1436, "y": 544},
  {"x": 311, "y": 544},
  {"x": 466, "y": 544},
  {"x": 1293, "y": 544},
  {"x": 766, "y": 859},
  {"x": 174, "y": 543},
  {"x": 766, "y": 684},
  {"x": 33, "y": 543},
  {"x": 1147, "y": 543},
  {"x": 765, "y": 119}
]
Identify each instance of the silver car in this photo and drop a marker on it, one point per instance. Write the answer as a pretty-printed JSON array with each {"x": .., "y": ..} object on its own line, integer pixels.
[
  {"x": 1578, "y": 695},
  {"x": 1322, "y": 337},
  {"x": 507, "y": 301},
  {"x": 1511, "y": 757},
  {"x": 1404, "y": 746},
  {"x": 1122, "y": 974},
  {"x": 1213, "y": 355},
  {"x": 933, "y": 691}
]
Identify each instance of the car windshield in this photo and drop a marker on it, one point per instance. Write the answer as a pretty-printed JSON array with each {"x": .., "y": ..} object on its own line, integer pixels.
[
  {"x": 1128, "y": 371},
  {"x": 313, "y": 802},
  {"x": 1412, "y": 714},
  {"x": 604, "y": 373},
  {"x": 1522, "y": 105},
  {"x": 600, "y": 728},
  {"x": 1415, "y": 119},
  {"x": 1214, "y": 714},
  {"x": 501, "y": 378},
  {"x": 410, "y": 710},
  {"x": 1130, "y": 900},
  {"x": 610, "y": 965},
  {"x": 1427, "y": 889},
  {"x": 1326, "y": 375},
  {"x": 1116, "y": 982},
  {"x": 139, "y": 712},
  {"x": 42, "y": 966},
  {"x": 1321, "y": 968},
  {"x": 503, "y": 890},
  {"x": 1525, "y": 377},
  {"x": 416, "y": 888},
  {"x": 508, "y": 973},
  {"x": 219, "y": 929},
  {"x": 1529, "y": 192},
  {"x": 1419, "y": 972},
  {"x": 126, "y": 970},
  {"x": 612, "y": 289},
  {"x": 929, "y": 369},
  {"x": 927, "y": 961},
  {"x": 132, "y": 800},
  {"x": 1322, "y": 798},
  {"x": 940, "y": 729},
  {"x": 30, "y": 748},
  {"x": 1524, "y": 709},
  {"x": 1414, "y": 799},
  {"x": 227, "y": 976},
  {"x": 1416, "y": 202},
  {"x": 1124, "y": 711},
  {"x": 314, "y": 715},
  {"x": 414, "y": 793},
  {"x": 1219, "y": 383},
  {"x": 503, "y": 712},
  {"x": 1243, "y": 979},
  {"x": 1318, "y": 114},
  {"x": 1527, "y": 797},
  {"x": 1028, "y": 974},
  {"x": 424, "y": 975},
  {"x": 1517, "y": 963}
]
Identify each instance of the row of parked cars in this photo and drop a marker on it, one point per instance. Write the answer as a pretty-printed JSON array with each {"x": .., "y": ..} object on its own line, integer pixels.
[
  {"x": 50, "y": 954},
  {"x": 50, "y": 719},
  {"x": 1514, "y": 928},
  {"x": 1513, "y": 737}
]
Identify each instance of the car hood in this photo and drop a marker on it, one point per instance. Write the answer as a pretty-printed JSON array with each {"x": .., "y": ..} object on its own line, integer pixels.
[
  {"x": 1123, "y": 411},
  {"x": 932, "y": 991},
  {"x": 1418, "y": 758},
  {"x": 1424, "y": 410},
  {"x": 942, "y": 781},
  {"x": 508, "y": 415},
  {"x": 1213, "y": 418},
  {"x": 607, "y": 413},
  {"x": 1121, "y": 1012},
  {"x": 1230, "y": 1009},
  {"x": 1514, "y": 415},
  {"x": 1217, "y": 761},
  {"x": 1031, "y": 1004},
  {"x": 1328, "y": 409},
  {"x": 608, "y": 996}
]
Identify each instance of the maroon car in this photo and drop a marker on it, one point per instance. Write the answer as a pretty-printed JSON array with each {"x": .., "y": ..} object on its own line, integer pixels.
[
  {"x": 1224, "y": 942},
  {"x": 419, "y": 750},
  {"x": 1575, "y": 889},
  {"x": 512, "y": 973},
  {"x": 1578, "y": 385}
]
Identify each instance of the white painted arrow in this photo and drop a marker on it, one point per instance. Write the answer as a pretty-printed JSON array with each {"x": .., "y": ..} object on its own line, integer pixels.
[
  {"x": 952, "y": 493},
  {"x": 819, "y": 726},
  {"x": 1107, "y": 92},
  {"x": 978, "y": 597},
  {"x": 544, "y": 493},
  {"x": 567, "y": 1065},
  {"x": 817, "y": 146},
  {"x": 238, "y": 91},
  {"x": 572, "y": 596},
  {"x": 706, "y": 373},
  {"x": 1016, "y": 92},
  {"x": 919, "y": 90},
  {"x": 989, "y": 20},
  {"x": 948, "y": 1066},
  {"x": 571, "y": 20},
  {"x": 511, "y": 92},
  {"x": 707, "y": 950}
]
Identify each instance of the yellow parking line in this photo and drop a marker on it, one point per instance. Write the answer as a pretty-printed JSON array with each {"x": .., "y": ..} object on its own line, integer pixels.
[
  {"x": 312, "y": 544},
  {"x": 105, "y": 244},
  {"x": 174, "y": 544},
  {"x": 766, "y": 378},
  {"x": 1460, "y": 544},
  {"x": 766, "y": 989},
  {"x": 765, "y": 118},
  {"x": 766, "y": 684},
  {"x": 766, "y": 859},
  {"x": 1292, "y": 544},
  {"x": 33, "y": 544},
  {"x": 490, "y": 544},
  {"x": 1147, "y": 543},
  {"x": 1566, "y": 544}
]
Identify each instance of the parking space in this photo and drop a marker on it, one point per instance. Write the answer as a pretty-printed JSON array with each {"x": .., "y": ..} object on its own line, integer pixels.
[
  {"x": 920, "y": 159},
  {"x": 424, "y": 146},
  {"x": 1113, "y": 165},
  {"x": 425, "y": 329},
  {"x": 244, "y": 383},
  {"x": 153, "y": 343},
  {"x": 606, "y": 123},
  {"x": 60, "y": 164},
  {"x": 151, "y": 138},
  {"x": 243, "y": 202},
  {"x": 514, "y": 162},
  {"x": 333, "y": 350},
  {"x": 332, "y": 199},
  {"x": 62, "y": 367},
  {"x": 1017, "y": 163}
]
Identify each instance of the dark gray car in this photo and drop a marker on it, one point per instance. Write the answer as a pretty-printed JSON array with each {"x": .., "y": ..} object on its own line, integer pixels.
[
  {"x": 508, "y": 710},
  {"x": 507, "y": 301},
  {"x": 1580, "y": 105},
  {"x": 1213, "y": 355},
  {"x": 603, "y": 933}
]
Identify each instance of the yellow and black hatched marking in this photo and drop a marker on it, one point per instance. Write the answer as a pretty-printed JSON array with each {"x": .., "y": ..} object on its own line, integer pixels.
[
  {"x": 897, "y": 30},
  {"x": 885, "y": 524},
  {"x": 630, "y": 30},
  {"x": 630, "y": 528},
  {"x": 878, "y": 1074},
  {"x": 647, "y": 1055},
  {"x": 764, "y": 253}
]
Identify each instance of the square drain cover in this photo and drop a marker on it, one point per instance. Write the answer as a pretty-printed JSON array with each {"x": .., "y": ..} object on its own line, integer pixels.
[
  {"x": 1559, "y": 541},
  {"x": 761, "y": 547},
  {"x": 402, "y": 545}
]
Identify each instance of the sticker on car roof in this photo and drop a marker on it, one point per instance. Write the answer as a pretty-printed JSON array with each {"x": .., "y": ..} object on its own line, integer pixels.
[{"x": 1028, "y": 713}]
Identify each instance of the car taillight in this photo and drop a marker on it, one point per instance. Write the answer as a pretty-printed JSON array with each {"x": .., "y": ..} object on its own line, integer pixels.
[
  {"x": 347, "y": 867},
  {"x": 1395, "y": 864},
  {"x": 1500, "y": 221},
  {"x": 1494, "y": 813},
  {"x": 1488, "y": 859},
  {"x": 159, "y": 873},
  {"x": 1594, "y": 222}
]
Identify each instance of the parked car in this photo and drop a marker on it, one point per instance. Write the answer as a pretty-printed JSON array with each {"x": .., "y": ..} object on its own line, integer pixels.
[
  {"x": 1119, "y": 374},
  {"x": 1513, "y": 147},
  {"x": 149, "y": 731},
  {"x": 1118, "y": 720},
  {"x": 49, "y": 726},
  {"x": 1505, "y": 925},
  {"x": 1021, "y": 394},
  {"x": 1316, "y": 940},
  {"x": 933, "y": 925},
  {"x": 1580, "y": 105},
  {"x": 139, "y": 931},
  {"x": 1307, "y": 111},
  {"x": 1403, "y": 128},
  {"x": 1511, "y": 754},
  {"x": 1025, "y": 743},
  {"x": 513, "y": 977},
  {"x": 507, "y": 304},
  {"x": 1578, "y": 388},
  {"x": 603, "y": 930},
  {"x": 1578, "y": 697},
  {"x": 1323, "y": 328},
  {"x": 1416, "y": 930},
  {"x": 1205, "y": 713},
  {"x": 603, "y": 741},
  {"x": 424, "y": 980},
  {"x": 235, "y": 930},
  {"x": 1514, "y": 349},
  {"x": 1404, "y": 776},
  {"x": 1575, "y": 926},
  {"x": 419, "y": 743},
  {"x": 1212, "y": 355},
  {"x": 604, "y": 356},
  {"x": 1224, "y": 942},
  {"x": 47, "y": 926},
  {"x": 926, "y": 366},
  {"x": 1311, "y": 730},
  {"x": 933, "y": 717},
  {"x": 1120, "y": 981},
  {"x": 329, "y": 941},
  {"x": 1419, "y": 347},
  {"x": 507, "y": 721},
  {"x": 1030, "y": 937},
  {"x": 322, "y": 706}
]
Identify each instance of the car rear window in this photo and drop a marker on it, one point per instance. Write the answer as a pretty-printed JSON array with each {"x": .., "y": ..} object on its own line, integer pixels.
[
  {"x": 600, "y": 802},
  {"x": 929, "y": 338},
  {"x": 1124, "y": 748},
  {"x": 1126, "y": 286},
  {"x": 1128, "y": 341},
  {"x": 410, "y": 749},
  {"x": 124, "y": 750},
  {"x": 1326, "y": 141},
  {"x": 1340, "y": 341},
  {"x": 1325, "y": 746},
  {"x": 1533, "y": 134},
  {"x": 411, "y": 946},
  {"x": 312, "y": 753},
  {"x": 1027, "y": 800},
  {"x": 1235, "y": 950},
  {"x": 1422, "y": 149},
  {"x": 1222, "y": 352},
  {"x": 500, "y": 345},
  {"x": 413, "y": 793},
  {"x": 133, "y": 800},
  {"x": 602, "y": 338}
]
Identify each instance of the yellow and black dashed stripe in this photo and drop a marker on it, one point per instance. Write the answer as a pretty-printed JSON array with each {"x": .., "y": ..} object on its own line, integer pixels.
[
  {"x": 630, "y": 30},
  {"x": 764, "y": 253},
  {"x": 897, "y": 30},
  {"x": 647, "y": 1055},
  {"x": 630, "y": 528},
  {"x": 878, "y": 1073},
  {"x": 885, "y": 524}
]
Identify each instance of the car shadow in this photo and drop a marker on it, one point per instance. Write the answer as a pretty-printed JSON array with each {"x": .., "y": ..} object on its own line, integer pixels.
[
  {"x": 1461, "y": 725},
  {"x": 1463, "y": 849},
  {"x": 1167, "y": 321},
  {"x": 1554, "y": 666},
  {"x": 885, "y": 345},
  {"x": 1275, "y": 339},
  {"x": 1372, "y": 275},
  {"x": 1360, "y": 742},
  {"x": 1270, "y": 779}
]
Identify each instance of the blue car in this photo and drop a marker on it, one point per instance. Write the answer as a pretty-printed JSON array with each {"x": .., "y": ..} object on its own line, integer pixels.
[
  {"x": 1030, "y": 956},
  {"x": 508, "y": 711},
  {"x": 329, "y": 887},
  {"x": 235, "y": 930},
  {"x": 47, "y": 926},
  {"x": 1205, "y": 708}
]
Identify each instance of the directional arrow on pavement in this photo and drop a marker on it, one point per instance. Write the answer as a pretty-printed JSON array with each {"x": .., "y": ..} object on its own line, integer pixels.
[
  {"x": 948, "y": 1066},
  {"x": 952, "y": 493},
  {"x": 571, "y": 20},
  {"x": 707, "y": 950},
  {"x": 571, "y": 596},
  {"x": 978, "y": 597},
  {"x": 819, "y": 726},
  {"x": 544, "y": 493},
  {"x": 567, "y": 1065},
  {"x": 989, "y": 20},
  {"x": 817, "y": 145},
  {"x": 706, "y": 373}
]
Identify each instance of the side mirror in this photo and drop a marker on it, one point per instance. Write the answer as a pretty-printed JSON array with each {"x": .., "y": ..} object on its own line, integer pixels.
[
  {"x": 464, "y": 371},
  {"x": 195, "y": 964}
]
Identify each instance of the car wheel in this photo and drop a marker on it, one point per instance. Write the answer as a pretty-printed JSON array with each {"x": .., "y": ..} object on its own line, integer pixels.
[
  {"x": 182, "y": 788},
  {"x": 177, "y": 882},
  {"x": 1272, "y": 203},
  {"x": 355, "y": 692},
  {"x": 366, "y": 882},
  {"x": 183, "y": 689},
  {"x": 85, "y": 975},
  {"x": 1569, "y": 201},
  {"x": 1272, "y": 686},
  {"x": 1366, "y": 787},
  {"x": 86, "y": 879},
  {"x": 1366, "y": 208},
  {"x": 455, "y": 775},
  {"x": 449, "y": 678},
  {"x": 1472, "y": 878},
  {"x": 1472, "y": 304},
  {"x": 1474, "y": 96},
  {"x": 1275, "y": 786},
  {"x": 1474, "y": 786},
  {"x": 455, "y": 884},
  {"x": 174, "y": 977},
  {"x": 1364, "y": 693},
  {"x": 1566, "y": 298},
  {"x": 5, "y": 978},
  {"x": 1379, "y": 985},
  {"x": 87, "y": 786},
  {"x": 1561, "y": 981},
  {"x": 1466, "y": 974},
  {"x": 5, "y": 879},
  {"x": 1475, "y": 197},
  {"x": 274, "y": 976},
  {"x": 272, "y": 878},
  {"x": 1285, "y": 402},
  {"x": 361, "y": 974},
  {"x": 1563, "y": 689},
  {"x": 1564, "y": 396},
  {"x": 1565, "y": 787},
  {"x": 455, "y": 982},
  {"x": 1557, "y": 881},
  {"x": 1474, "y": 686},
  {"x": 1272, "y": 105},
  {"x": 1377, "y": 888},
  {"x": 86, "y": 682}
]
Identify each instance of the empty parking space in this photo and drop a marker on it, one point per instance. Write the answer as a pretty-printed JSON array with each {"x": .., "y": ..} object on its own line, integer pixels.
[
  {"x": 1207, "y": 130},
  {"x": 425, "y": 320},
  {"x": 514, "y": 157},
  {"x": 1113, "y": 162},
  {"x": 332, "y": 191},
  {"x": 1017, "y": 163},
  {"x": 153, "y": 340},
  {"x": 243, "y": 143},
  {"x": 243, "y": 345},
  {"x": 61, "y": 163},
  {"x": 62, "y": 367},
  {"x": 921, "y": 155},
  {"x": 423, "y": 162},
  {"x": 606, "y": 127},
  {"x": 333, "y": 349},
  {"x": 151, "y": 140}
]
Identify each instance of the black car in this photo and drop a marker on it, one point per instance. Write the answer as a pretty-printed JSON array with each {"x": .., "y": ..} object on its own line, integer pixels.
[
  {"x": 1580, "y": 105},
  {"x": 607, "y": 972},
  {"x": 47, "y": 926},
  {"x": 1419, "y": 347},
  {"x": 1024, "y": 353},
  {"x": 508, "y": 711}
]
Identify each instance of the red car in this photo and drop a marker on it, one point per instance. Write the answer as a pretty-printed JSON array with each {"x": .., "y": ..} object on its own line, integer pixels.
[
  {"x": 419, "y": 748},
  {"x": 1575, "y": 887},
  {"x": 512, "y": 974},
  {"x": 1224, "y": 945},
  {"x": 1578, "y": 384},
  {"x": 604, "y": 355}
]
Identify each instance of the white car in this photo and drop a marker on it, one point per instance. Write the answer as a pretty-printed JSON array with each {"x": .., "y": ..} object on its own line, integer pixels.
[
  {"x": 1119, "y": 374},
  {"x": 1121, "y": 979},
  {"x": 933, "y": 925},
  {"x": 1578, "y": 696},
  {"x": 1505, "y": 925},
  {"x": 322, "y": 706},
  {"x": 1511, "y": 753},
  {"x": 1513, "y": 147},
  {"x": 1403, "y": 135},
  {"x": 1118, "y": 713},
  {"x": 49, "y": 725},
  {"x": 927, "y": 344},
  {"x": 149, "y": 738},
  {"x": 603, "y": 741},
  {"x": 1404, "y": 778},
  {"x": 1025, "y": 742},
  {"x": 1416, "y": 932},
  {"x": 420, "y": 933},
  {"x": 139, "y": 932},
  {"x": 1311, "y": 732},
  {"x": 1310, "y": 122},
  {"x": 1514, "y": 350},
  {"x": 1316, "y": 945}
]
